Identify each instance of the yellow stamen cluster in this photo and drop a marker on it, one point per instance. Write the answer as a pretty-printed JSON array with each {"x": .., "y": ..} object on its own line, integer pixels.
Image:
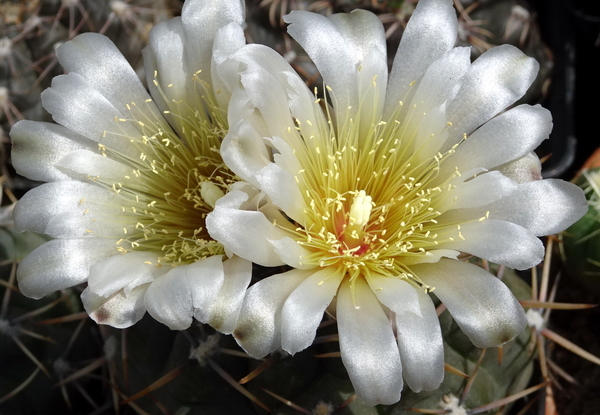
[
  {"x": 175, "y": 179},
  {"x": 373, "y": 199}
]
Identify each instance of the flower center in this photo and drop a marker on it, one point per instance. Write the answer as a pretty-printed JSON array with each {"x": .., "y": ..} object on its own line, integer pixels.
[
  {"x": 175, "y": 178},
  {"x": 374, "y": 196}
]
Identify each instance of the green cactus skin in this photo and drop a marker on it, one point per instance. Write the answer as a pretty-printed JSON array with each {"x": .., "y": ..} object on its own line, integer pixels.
[{"x": 581, "y": 241}]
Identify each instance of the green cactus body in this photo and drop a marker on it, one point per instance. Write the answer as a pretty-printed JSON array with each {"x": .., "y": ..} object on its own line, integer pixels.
[{"x": 581, "y": 241}]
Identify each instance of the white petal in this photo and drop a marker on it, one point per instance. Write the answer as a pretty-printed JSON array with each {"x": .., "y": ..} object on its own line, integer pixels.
[
  {"x": 61, "y": 263},
  {"x": 266, "y": 69},
  {"x": 285, "y": 155},
  {"x": 225, "y": 72},
  {"x": 201, "y": 21},
  {"x": 483, "y": 189},
  {"x": 35, "y": 158},
  {"x": 282, "y": 189},
  {"x": 421, "y": 346},
  {"x": 38, "y": 206},
  {"x": 119, "y": 310},
  {"x": 497, "y": 241},
  {"x": 364, "y": 34},
  {"x": 497, "y": 79},
  {"x": 206, "y": 278},
  {"x": 173, "y": 298},
  {"x": 242, "y": 195},
  {"x": 507, "y": 137},
  {"x": 333, "y": 57},
  {"x": 441, "y": 79},
  {"x": 222, "y": 313},
  {"x": 258, "y": 330},
  {"x": 429, "y": 34},
  {"x": 76, "y": 224},
  {"x": 267, "y": 90},
  {"x": 367, "y": 344},
  {"x": 99, "y": 62},
  {"x": 243, "y": 148},
  {"x": 262, "y": 129},
  {"x": 83, "y": 164},
  {"x": 246, "y": 233},
  {"x": 79, "y": 107},
  {"x": 273, "y": 88},
  {"x": 123, "y": 272},
  {"x": 544, "y": 207},
  {"x": 395, "y": 293},
  {"x": 292, "y": 253},
  {"x": 425, "y": 115},
  {"x": 303, "y": 310},
  {"x": 433, "y": 255},
  {"x": 168, "y": 299},
  {"x": 483, "y": 307},
  {"x": 166, "y": 75},
  {"x": 430, "y": 134},
  {"x": 525, "y": 169}
]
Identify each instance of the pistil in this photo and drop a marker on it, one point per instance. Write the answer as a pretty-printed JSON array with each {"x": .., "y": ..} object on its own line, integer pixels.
[{"x": 360, "y": 211}]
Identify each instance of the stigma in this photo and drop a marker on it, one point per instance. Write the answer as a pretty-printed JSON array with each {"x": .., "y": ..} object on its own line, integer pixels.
[{"x": 360, "y": 212}]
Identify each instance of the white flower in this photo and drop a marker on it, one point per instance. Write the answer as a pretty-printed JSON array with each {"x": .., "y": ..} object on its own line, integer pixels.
[
  {"x": 373, "y": 193},
  {"x": 132, "y": 175}
]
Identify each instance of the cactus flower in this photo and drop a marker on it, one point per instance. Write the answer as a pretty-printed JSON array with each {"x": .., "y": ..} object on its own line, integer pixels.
[
  {"x": 132, "y": 174},
  {"x": 374, "y": 189}
]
